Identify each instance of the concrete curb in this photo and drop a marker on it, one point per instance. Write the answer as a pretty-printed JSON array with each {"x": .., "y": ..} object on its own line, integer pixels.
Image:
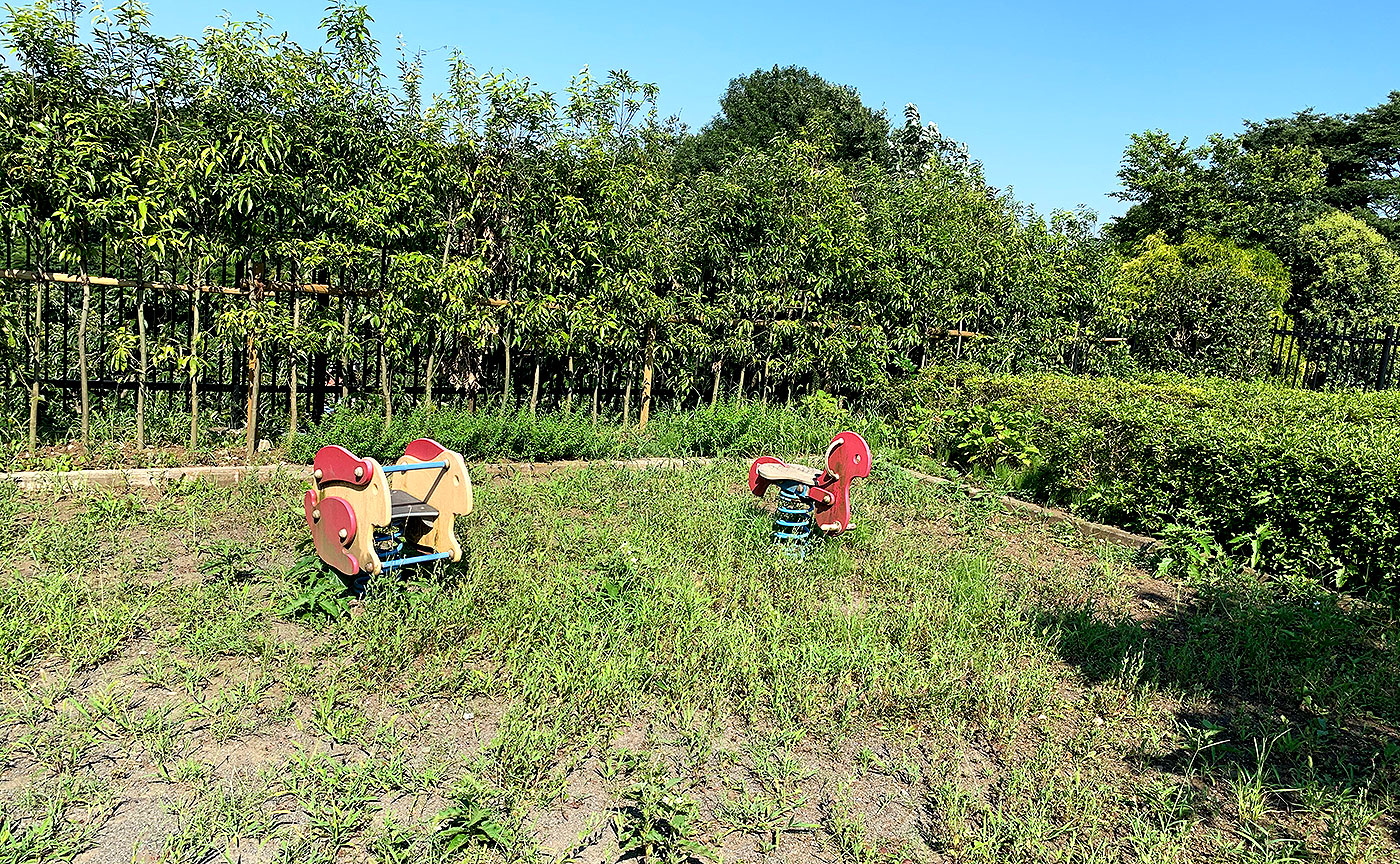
[
  {"x": 233, "y": 475},
  {"x": 1094, "y": 530},
  {"x": 123, "y": 478}
]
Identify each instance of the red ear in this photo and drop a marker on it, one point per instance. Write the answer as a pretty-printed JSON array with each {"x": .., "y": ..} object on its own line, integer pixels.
[
  {"x": 424, "y": 450},
  {"x": 335, "y": 464},
  {"x": 848, "y": 455}
]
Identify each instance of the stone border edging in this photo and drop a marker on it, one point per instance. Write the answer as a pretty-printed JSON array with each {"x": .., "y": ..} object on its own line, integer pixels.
[
  {"x": 120, "y": 478},
  {"x": 1094, "y": 530},
  {"x": 233, "y": 475}
]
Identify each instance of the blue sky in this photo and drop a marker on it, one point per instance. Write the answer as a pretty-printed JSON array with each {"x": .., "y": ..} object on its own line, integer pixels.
[{"x": 1044, "y": 95}]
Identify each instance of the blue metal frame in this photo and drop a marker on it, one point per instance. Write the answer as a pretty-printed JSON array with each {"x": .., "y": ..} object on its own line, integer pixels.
[
  {"x": 394, "y": 469},
  {"x": 414, "y": 559}
]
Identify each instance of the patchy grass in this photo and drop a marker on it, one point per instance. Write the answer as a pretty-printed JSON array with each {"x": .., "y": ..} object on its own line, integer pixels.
[{"x": 621, "y": 668}]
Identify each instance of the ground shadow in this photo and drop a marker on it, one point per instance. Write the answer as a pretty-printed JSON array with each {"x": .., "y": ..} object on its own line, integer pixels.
[{"x": 1299, "y": 686}]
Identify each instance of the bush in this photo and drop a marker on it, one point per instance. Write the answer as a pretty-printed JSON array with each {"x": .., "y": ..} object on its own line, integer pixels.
[
  {"x": 1299, "y": 482},
  {"x": 1205, "y": 306}
]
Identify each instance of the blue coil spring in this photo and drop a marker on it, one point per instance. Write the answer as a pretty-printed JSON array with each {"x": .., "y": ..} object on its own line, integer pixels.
[{"x": 792, "y": 531}]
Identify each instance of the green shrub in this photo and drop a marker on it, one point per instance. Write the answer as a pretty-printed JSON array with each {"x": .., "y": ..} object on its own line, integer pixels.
[{"x": 1298, "y": 482}]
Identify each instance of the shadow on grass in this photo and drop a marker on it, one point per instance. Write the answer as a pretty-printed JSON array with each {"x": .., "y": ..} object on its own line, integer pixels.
[{"x": 1298, "y": 687}]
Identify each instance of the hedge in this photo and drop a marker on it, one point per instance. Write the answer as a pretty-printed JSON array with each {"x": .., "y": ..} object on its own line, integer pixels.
[{"x": 1312, "y": 478}]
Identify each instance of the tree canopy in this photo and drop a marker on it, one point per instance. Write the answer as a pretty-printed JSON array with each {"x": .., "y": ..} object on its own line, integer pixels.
[
  {"x": 1361, "y": 153},
  {"x": 791, "y": 102}
]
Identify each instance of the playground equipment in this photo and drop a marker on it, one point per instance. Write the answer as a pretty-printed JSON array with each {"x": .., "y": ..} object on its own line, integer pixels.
[
  {"x": 809, "y": 496},
  {"x": 366, "y": 517}
]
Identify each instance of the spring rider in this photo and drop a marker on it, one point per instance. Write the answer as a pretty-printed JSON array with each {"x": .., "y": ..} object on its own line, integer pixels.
[
  {"x": 366, "y": 517},
  {"x": 810, "y": 497}
]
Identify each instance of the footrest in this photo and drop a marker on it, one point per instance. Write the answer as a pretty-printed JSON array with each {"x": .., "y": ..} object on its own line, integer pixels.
[{"x": 403, "y": 505}]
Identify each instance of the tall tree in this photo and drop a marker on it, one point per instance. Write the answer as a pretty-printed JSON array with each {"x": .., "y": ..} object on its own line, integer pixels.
[
  {"x": 1220, "y": 188},
  {"x": 1361, "y": 152},
  {"x": 787, "y": 101}
]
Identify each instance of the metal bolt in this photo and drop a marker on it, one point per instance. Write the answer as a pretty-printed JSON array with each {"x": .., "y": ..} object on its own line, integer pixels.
[
  {"x": 359, "y": 472},
  {"x": 344, "y": 534},
  {"x": 318, "y": 474},
  {"x": 315, "y": 514}
]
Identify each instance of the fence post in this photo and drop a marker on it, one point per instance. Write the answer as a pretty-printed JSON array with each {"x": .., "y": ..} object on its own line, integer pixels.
[{"x": 1387, "y": 355}]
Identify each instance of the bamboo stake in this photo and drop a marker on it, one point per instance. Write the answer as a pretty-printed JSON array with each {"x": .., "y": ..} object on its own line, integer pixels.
[
  {"x": 141, "y": 372},
  {"x": 535, "y": 390},
  {"x": 36, "y": 344},
  {"x": 292, "y": 371},
  {"x": 83, "y": 360},
  {"x": 647, "y": 373},
  {"x": 627, "y": 398},
  {"x": 194, "y": 370}
]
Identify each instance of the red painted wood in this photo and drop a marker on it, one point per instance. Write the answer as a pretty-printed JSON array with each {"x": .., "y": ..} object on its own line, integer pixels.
[
  {"x": 847, "y": 458},
  {"x": 337, "y": 465},
  {"x": 335, "y": 514},
  {"x": 757, "y": 484},
  {"x": 424, "y": 450}
]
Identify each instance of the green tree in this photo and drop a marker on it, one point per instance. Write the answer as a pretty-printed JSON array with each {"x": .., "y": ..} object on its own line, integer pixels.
[
  {"x": 787, "y": 101},
  {"x": 1361, "y": 152},
  {"x": 1205, "y": 305},
  {"x": 1348, "y": 274},
  {"x": 1252, "y": 197}
]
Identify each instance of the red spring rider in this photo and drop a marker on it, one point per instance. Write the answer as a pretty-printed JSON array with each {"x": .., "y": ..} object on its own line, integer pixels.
[{"x": 808, "y": 496}]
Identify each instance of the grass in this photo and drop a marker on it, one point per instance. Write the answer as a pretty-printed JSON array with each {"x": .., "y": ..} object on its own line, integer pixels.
[{"x": 622, "y": 668}]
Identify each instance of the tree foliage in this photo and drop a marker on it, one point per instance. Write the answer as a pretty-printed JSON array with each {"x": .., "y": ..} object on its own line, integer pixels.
[
  {"x": 1361, "y": 152},
  {"x": 1352, "y": 273},
  {"x": 1205, "y": 305},
  {"x": 788, "y": 101},
  {"x": 575, "y": 240}
]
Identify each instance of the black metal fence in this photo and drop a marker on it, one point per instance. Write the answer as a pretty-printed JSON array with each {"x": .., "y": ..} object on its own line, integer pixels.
[{"x": 1323, "y": 357}]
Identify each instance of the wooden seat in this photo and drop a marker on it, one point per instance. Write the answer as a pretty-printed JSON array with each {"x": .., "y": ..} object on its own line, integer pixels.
[
  {"x": 403, "y": 505},
  {"x": 777, "y": 472}
]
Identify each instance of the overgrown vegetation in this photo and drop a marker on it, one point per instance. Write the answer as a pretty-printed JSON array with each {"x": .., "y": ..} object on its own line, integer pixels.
[
  {"x": 621, "y": 667},
  {"x": 502, "y": 244},
  {"x": 727, "y": 429},
  {"x": 1296, "y": 482}
]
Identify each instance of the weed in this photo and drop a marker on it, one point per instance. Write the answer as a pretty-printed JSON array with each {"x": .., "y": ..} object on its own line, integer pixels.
[{"x": 657, "y": 824}]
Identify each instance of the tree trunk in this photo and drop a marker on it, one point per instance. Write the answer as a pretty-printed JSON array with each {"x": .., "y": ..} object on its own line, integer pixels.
[
  {"x": 37, "y": 349},
  {"x": 535, "y": 390},
  {"x": 194, "y": 367},
  {"x": 431, "y": 374},
  {"x": 743, "y": 370},
  {"x": 627, "y": 399},
  {"x": 292, "y": 372},
  {"x": 505, "y": 387},
  {"x": 647, "y": 373},
  {"x": 344, "y": 341},
  {"x": 714, "y": 393},
  {"x": 569, "y": 387},
  {"x": 597, "y": 379},
  {"x": 384, "y": 382},
  {"x": 141, "y": 372},
  {"x": 254, "y": 382},
  {"x": 767, "y": 364},
  {"x": 83, "y": 356}
]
